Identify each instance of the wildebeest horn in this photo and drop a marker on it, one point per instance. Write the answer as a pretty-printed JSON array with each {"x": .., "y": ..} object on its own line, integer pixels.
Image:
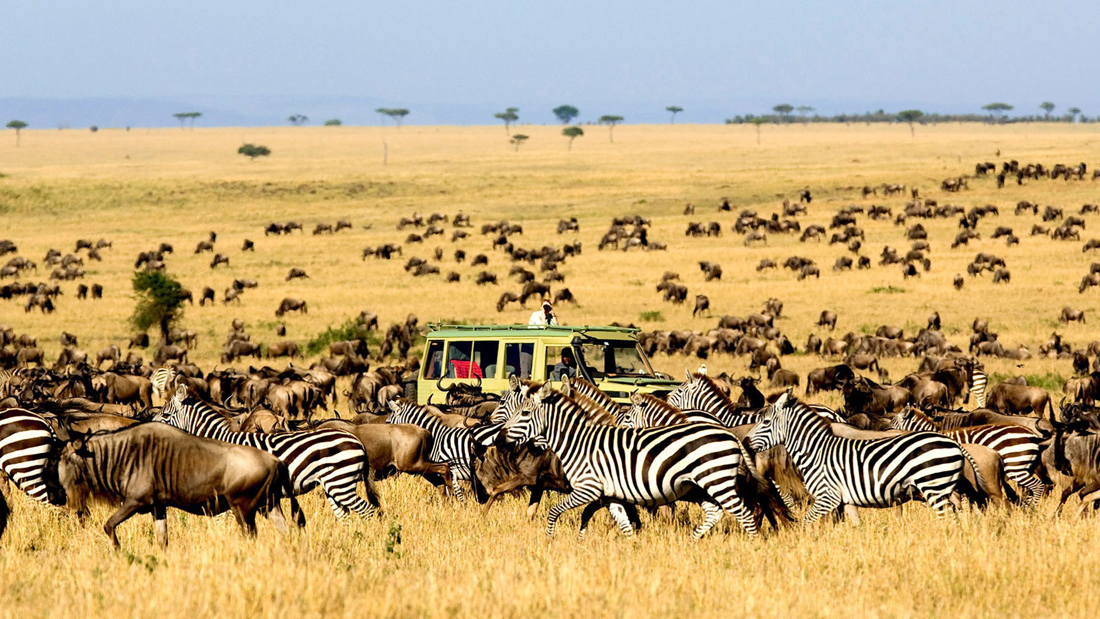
[
  {"x": 439, "y": 385},
  {"x": 430, "y": 398},
  {"x": 478, "y": 377}
]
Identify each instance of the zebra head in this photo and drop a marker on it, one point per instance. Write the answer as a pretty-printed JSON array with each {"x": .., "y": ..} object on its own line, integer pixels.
[
  {"x": 402, "y": 412},
  {"x": 634, "y": 416},
  {"x": 680, "y": 395},
  {"x": 512, "y": 401},
  {"x": 771, "y": 430},
  {"x": 530, "y": 420},
  {"x": 172, "y": 413}
]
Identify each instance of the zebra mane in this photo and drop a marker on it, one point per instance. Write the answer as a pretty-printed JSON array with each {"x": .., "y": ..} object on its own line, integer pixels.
[
  {"x": 652, "y": 401},
  {"x": 795, "y": 408},
  {"x": 920, "y": 416},
  {"x": 596, "y": 412},
  {"x": 590, "y": 391},
  {"x": 712, "y": 387},
  {"x": 573, "y": 409}
]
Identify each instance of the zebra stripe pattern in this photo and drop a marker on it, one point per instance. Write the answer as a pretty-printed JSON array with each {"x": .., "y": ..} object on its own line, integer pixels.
[
  {"x": 649, "y": 467},
  {"x": 453, "y": 446},
  {"x": 1017, "y": 446},
  {"x": 162, "y": 379},
  {"x": 700, "y": 392},
  {"x": 862, "y": 473},
  {"x": 25, "y": 443},
  {"x": 648, "y": 411},
  {"x": 332, "y": 459},
  {"x": 978, "y": 381}
]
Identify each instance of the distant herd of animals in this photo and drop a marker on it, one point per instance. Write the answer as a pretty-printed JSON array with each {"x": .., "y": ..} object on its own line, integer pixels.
[{"x": 146, "y": 436}]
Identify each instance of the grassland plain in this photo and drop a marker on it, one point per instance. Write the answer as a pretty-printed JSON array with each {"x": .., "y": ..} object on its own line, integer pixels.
[{"x": 142, "y": 187}]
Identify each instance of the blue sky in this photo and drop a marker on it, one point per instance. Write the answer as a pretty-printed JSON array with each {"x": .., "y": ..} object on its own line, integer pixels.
[{"x": 460, "y": 61}]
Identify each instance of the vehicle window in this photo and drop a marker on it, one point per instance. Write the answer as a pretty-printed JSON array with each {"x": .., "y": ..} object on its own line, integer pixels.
[
  {"x": 460, "y": 362},
  {"x": 604, "y": 359},
  {"x": 434, "y": 361},
  {"x": 518, "y": 359},
  {"x": 485, "y": 357},
  {"x": 560, "y": 361}
]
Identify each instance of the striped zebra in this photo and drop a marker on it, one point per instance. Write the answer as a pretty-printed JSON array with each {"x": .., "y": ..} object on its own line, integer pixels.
[
  {"x": 860, "y": 473},
  {"x": 512, "y": 401},
  {"x": 6, "y": 377},
  {"x": 25, "y": 443},
  {"x": 648, "y": 411},
  {"x": 700, "y": 392},
  {"x": 453, "y": 446},
  {"x": 1017, "y": 446},
  {"x": 978, "y": 381},
  {"x": 162, "y": 380},
  {"x": 651, "y": 467},
  {"x": 580, "y": 390},
  {"x": 332, "y": 459}
]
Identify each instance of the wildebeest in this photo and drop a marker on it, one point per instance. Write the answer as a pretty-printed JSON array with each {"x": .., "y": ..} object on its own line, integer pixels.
[
  {"x": 1071, "y": 315},
  {"x": 291, "y": 305},
  {"x": 1017, "y": 399},
  {"x": 827, "y": 319},
  {"x": 151, "y": 467}
]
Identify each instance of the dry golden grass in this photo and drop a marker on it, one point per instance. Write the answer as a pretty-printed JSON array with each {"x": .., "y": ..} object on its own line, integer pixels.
[{"x": 142, "y": 187}]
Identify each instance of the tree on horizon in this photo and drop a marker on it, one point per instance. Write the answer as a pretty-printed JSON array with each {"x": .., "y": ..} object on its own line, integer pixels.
[
  {"x": 803, "y": 110},
  {"x": 1047, "y": 107},
  {"x": 518, "y": 139},
  {"x": 509, "y": 116},
  {"x": 784, "y": 110},
  {"x": 674, "y": 110},
  {"x": 910, "y": 117},
  {"x": 997, "y": 109},
  {"x": 298, "y": 119},
  {"x": 610, "y": 120},
  {"x": 398, "y": 114},
  {"x": 18, "y": 125},
  {"x": 566, "y": 113},
  {"x": 572, "y": 133}
]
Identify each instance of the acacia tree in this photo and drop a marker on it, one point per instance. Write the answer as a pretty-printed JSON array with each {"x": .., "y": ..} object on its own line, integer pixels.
[
  {"x": 803, "y": 110},
  {"x": 758, "y": 121},
  {"x": 1073, "y": 112},
  {"x": 784, "y": 110},
  {"x": 997, "y": 109},
  {"x": 396, "y": 113},
  {"x": 518, "y": 140},
  {"x": 1048, "y": 107},
  {"x": 572, "y": 133},
  {"x": 298, "y": 119},
  {"x": 610, "y": 121},
  {"x": 566, "y": 113},
  {"x": 509, "y": 116},
  {"x": 333, "y": 122},
  {"x": 674, "y": 110},
  {"x": 183, "y": 117},
  {"x": 910, "y": 116},
  {"x": 159, "y": 301},
  {"x": 253, "y": 150},
  {"x": 18, "y": 125}
]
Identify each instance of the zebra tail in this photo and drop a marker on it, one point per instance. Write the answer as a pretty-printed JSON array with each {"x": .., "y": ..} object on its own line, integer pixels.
[
  {"x": 288, "y": 491},
  {"x": 368, "y": 482},
  {"x": 760, "y": 494}
]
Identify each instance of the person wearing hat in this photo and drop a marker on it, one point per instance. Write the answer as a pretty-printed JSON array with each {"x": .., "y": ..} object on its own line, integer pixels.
[{"x": 543, "y": 316}]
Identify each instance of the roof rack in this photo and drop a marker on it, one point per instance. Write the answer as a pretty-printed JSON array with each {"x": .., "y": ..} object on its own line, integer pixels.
[{"x": 524, "y": 328}]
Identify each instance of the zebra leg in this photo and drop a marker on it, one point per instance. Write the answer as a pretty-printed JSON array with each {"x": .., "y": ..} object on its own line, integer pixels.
[
  {"x": 581, "y": 495},
  {"x": 618, "y": 512},
  {"x": 338, "y": 510},
  {"x": 941, "y": 503},
  {"x": 459, "y": 472},
  {"x": 1035, "y": 488},
  {"x": 712, "y": 513},
  {"x": 851, "y": 513},
  {"x": 822, "y": 506}
]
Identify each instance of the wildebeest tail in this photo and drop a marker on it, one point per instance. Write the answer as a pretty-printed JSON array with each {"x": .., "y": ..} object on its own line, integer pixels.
[
  {"x": 3, "y": 514},
  {"x": 286, "y": 489}
]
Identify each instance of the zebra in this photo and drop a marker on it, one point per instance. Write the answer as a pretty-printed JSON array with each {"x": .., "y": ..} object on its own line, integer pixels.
[
  {"x": 860, "y": 473},
  {"x": 453, "y": 446},
  {"x": 332, "y": 459},
  {"x": 574, "y": 387},
  {"x": 26, "y": 442},
  {"x": 648, "y": 411},
  {"x": 1017, "y": 446},
  {"x": 700, "y": 392},
  {"x": 162, "y": 379},
  {"x": 978, "y": 381},
  {"x": 512, "y": 401},
  {"x": 650, "y": 467}
]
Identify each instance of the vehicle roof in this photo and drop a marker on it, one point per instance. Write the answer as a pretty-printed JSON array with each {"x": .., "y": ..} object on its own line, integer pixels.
[{"x": 441, "y": 331}]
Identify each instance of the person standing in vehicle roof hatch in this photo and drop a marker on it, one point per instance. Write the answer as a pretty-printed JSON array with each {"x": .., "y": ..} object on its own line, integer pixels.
[
  {"x": 567, "y": 367},
  {"x": 544, "y": 315}
]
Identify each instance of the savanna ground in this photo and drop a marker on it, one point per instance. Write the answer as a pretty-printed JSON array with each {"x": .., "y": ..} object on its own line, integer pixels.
[{"x": 142, "y": 187}]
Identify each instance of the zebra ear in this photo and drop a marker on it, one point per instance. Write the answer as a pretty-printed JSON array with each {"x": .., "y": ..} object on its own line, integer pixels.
[
  {"x": 636, "y": 398},
  {"x": 545, "y": 390},
  {"x": 181, "y": 392},
  {"x": 394, "y": 406},
  {"x": 513, "y": 382},
  {"x": 687, "y": 372}
]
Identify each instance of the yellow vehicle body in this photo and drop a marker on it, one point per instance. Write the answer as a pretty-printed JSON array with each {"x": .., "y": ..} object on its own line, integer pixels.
[{"x": 608, "y": 357}]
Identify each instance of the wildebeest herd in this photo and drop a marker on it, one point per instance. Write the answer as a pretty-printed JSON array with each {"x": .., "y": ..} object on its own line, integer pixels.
[{"x": 169, "y": 434}]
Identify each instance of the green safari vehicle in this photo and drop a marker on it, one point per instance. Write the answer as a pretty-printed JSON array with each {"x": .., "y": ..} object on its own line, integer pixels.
[{"x": 608, "y": 357}]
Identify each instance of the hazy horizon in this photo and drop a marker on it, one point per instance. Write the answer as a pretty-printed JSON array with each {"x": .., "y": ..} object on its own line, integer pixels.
[{"x": 123, "y": 62}]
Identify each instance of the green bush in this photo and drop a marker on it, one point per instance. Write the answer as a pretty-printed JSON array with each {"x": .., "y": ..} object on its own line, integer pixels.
[
  {"x": 350, "y": 330},
  {"x": 159, "y": 301}
]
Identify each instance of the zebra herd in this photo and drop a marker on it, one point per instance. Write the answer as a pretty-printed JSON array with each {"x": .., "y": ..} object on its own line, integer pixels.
[{"x": 695, "y": 446}]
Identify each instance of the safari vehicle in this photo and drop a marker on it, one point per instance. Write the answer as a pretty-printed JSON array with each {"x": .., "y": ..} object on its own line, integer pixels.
[{"x": 608, "y": 357}]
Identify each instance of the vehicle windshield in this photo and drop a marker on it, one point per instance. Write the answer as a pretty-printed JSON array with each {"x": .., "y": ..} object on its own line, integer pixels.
[{"x": 613, "y": 359}]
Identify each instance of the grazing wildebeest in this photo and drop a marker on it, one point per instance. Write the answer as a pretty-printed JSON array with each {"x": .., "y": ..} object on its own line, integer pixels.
[
  {"x": 827, "y": 319},
  {"x": 151, "y": 467},
  {"x": 1017, "y": 399},
  {"x": 291, "y": 305},
  {"x": 1071, "y": 315},
  {"x": 702, "y": 304}
]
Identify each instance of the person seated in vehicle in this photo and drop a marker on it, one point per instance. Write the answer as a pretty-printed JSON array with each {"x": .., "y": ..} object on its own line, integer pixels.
[{"x": 567, "y": 367}]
